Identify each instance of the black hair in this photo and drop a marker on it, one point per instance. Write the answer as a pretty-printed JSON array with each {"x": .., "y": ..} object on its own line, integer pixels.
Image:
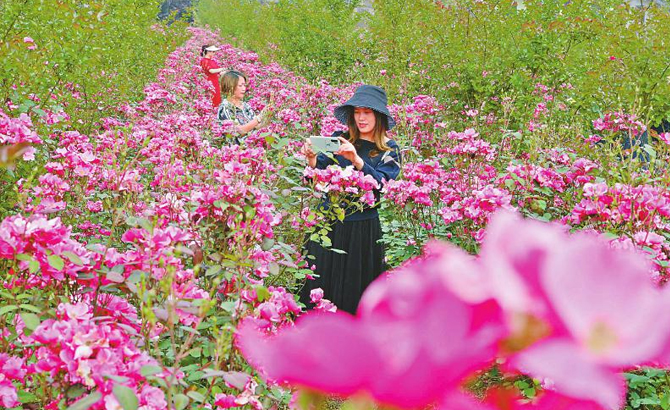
[{"x": 203, "y": 50}]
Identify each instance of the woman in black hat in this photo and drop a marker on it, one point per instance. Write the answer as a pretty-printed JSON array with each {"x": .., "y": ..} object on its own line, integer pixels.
[{"x": 344, "y": 277}]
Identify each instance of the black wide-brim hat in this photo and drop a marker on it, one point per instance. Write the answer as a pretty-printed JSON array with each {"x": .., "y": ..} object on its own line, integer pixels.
[{"x": 366, "y": 96}]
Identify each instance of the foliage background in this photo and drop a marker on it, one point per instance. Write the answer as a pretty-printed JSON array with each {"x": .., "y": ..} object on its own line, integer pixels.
[
  {"x": 104, "y": 50},
  {"x": 613, "y": 54},
  {"x": 83, "y": 58}
]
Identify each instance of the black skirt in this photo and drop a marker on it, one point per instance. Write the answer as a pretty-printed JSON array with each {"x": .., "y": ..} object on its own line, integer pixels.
[{"x": 344, "y": 277}]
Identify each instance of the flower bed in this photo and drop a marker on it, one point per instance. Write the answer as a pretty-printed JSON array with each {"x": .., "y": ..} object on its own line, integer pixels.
[{"x": 131, "y": 260}]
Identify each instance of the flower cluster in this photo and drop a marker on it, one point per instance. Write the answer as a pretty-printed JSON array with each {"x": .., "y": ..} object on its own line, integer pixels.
[
  {"x": 43, "y": 246},
  {"x": 466, "y": 194},
  {"x": 16, "y": 137},
  {"x": 11, "y": 368},
  {"x": 468, "y": 144},
  {"x": 335, "y": 179},
  {"x": 96, "y": 354},
  {"x": 618, "y": 121},
  {"x": 274, "y": 308},
  {"x": 322, "y": 304},
  {"x": 17, "y": 130}
]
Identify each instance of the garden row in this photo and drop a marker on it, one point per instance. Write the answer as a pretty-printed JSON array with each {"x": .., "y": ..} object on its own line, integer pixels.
[{"x": 130, "y": 261}]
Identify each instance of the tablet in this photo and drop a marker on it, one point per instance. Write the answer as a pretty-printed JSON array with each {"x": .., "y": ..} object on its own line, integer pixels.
[{"x": 324, "y": 144}]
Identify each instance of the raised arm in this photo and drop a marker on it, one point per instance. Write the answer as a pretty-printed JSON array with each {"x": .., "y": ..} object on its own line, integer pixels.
[
  {"x": 243, "y": 129},
  {"x": 224, "y": 114},
  {"x": 387, "y": 169},
  {"x": 314, "y": 160}
]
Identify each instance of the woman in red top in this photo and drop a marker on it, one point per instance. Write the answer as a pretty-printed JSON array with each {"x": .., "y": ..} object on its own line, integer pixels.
[{"x": 212, "y": 70}]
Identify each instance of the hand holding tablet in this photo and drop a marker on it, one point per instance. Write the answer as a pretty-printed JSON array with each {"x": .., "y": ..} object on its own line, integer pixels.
[{"x": 324, "y": 144}]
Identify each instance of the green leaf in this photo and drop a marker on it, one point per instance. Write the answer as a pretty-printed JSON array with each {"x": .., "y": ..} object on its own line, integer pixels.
[
  {"x": 650, "y": 150},
  {"x": 521, "y": 384},
  {"x": 150, "y": 370},
  {"x": 199, "y": 397},
  {"x": 39, "y": 112},
  {"x": 94, "y": 247},
  {"x": 273, "y": 267},
  {"x": 267, "y": 244},
  {"x": 6, "y": 309},
  {"x": 195, "y": 376},
  {"x": 56, "y": 262},
  {"x": 263, "y": 293},
  {"x": 655, "y": 372},
  {"x": 181, "y": 401},
  {"x": 115, "y": 277},
  {"x": 30, "y": 308},
  {"x": 249, "y": 212},
  {"x": 610, "y": 235},
  {"x": 213, "y": 373},
  {"x": 189, "y": 330},
  {"x": 228, "y": 306},
  {"x": 73, "y": 258},
  {"x": 214, "y": 270},
  {"x": 23, "y": 257},
  {"x": 221, "y": 204},
  {"x": 26, "y": 397},
  {"x": 649, "y": 401},
  {"x": 86, "y": 402},
  {"x": 31, "y": 320},
  {"x": 120, "y": 268},
  {"x": 117, "y": 378},
  {"x": 665, "y": 401},
  {"x": 75, "y": 391},
  {"x": 135, "y": 276},
  {"x": 146, "y": 224},
  {"x": 237, "y": 379},
  {"x": 664, "y": 264},
  {"x": 126, "y": 397},
  {"x": 635, "y": 379},
  {"x": 131, "y": 221},
  {"x": 33, "y": 266}
]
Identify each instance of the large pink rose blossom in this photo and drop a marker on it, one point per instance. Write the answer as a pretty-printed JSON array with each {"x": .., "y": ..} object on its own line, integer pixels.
[
  {"x": 575, "y": 286},
  {"x": 410, "y": 327},
  {"x": 341, "y": 358}
]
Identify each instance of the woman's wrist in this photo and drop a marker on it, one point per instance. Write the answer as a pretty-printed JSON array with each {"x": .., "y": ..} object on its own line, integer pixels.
[{"x": 358, "y": 163}]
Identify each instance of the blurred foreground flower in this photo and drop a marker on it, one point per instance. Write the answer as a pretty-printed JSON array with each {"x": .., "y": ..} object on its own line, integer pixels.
[
  {"x": 600, "y": 311},
  {"x": 410, "y": 327},
  {"x": 423, "y": 329}
]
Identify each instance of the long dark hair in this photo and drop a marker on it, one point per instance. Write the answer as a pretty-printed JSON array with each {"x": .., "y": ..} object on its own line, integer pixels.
[{"x": 203, "y": 50}]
